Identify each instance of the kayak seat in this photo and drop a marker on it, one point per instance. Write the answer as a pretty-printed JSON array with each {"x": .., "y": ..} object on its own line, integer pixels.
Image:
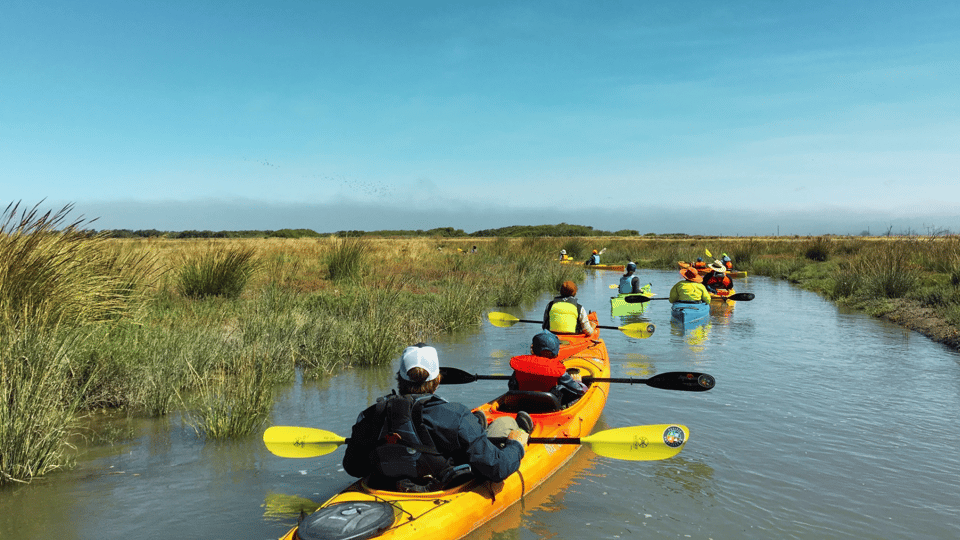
[{"x": 528, "y": 400}]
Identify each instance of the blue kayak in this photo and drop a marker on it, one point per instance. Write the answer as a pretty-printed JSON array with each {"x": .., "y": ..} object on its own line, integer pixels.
[{"x": 687, "y": 314}]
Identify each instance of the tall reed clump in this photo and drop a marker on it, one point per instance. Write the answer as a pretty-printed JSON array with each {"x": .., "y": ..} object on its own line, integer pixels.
[
  {"x": 37, "y": 406},
  {"x": 576, "y": 248},
  {"x": 346, "y": 260},
  {"x": 529, "y": 276},
  {"x": 940, "y": 254},
  {"x": 883, "y": 272},
  {"x": 382, "y": 323},
  {"x": 743, "y": 253},
  {"x": 232, "y": 399},
  {"x": 55, "y": 280},
  {"x": 817, "y": 249},
  {"x": 888, "y": 273},
  {"x": 54, "y": 272},
  {"x": 217, "y": 272},
  {"x": 846, "y": 283}
]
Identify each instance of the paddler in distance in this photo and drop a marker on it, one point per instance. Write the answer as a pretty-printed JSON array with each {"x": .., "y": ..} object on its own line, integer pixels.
[
  {"x": 630, "y": 281},
  {"x": 594, "y": 258},
  {"x": 727, "y": 261},
  {"x": 564, "y": 315},
  {"x": 690, "y": 290},
  {"x": 717, "y": 278}
]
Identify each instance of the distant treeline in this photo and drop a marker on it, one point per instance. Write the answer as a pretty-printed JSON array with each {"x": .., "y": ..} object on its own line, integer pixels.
[
  {"x": 149, "y": 233},
  {"x": 514, "y": 231}
]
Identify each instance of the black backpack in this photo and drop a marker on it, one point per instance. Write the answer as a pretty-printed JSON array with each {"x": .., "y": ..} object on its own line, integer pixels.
[{"x": 404, "y": 453}]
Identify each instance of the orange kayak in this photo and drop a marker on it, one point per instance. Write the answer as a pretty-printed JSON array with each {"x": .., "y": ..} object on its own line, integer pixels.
[
  {"x": 454, "y": 513},
  {"x": 616, "y": 267},
  {"x": 732, "y": 274}
]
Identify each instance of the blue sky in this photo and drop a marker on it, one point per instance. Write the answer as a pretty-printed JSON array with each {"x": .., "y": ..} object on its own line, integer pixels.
[{"x": 703, "y": 117}]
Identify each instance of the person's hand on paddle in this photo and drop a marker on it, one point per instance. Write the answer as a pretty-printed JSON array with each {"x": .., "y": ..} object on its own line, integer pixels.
[{"x": 520, "y": 436}]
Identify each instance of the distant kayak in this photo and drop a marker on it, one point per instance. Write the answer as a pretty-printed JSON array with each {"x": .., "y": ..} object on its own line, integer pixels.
[
  {"x": 732, "y": 274},
  {"x": 619, "y": 306},
  {"x": 615, "y": 267},
  {"x": 720, "y": 297}
]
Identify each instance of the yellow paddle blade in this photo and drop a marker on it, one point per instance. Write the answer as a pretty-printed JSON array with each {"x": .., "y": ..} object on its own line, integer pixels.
[
  {"x": 300, "y": 442},
  {"x": 707, "y": 251},
  {"x": 639, "y": 330},
  {"x": 503, "y": 320},
  {"x": 639, "y": 443},
  {"x": 298, "y": 451}
]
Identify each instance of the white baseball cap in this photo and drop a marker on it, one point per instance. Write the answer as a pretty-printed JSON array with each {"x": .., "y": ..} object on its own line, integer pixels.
[{"x": 419, "y": 355}]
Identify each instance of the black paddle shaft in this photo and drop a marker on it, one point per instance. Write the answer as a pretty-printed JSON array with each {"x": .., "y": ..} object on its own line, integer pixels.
[
  {"x": 674, "y": 380},
  {"x": 737, "y": 297}
]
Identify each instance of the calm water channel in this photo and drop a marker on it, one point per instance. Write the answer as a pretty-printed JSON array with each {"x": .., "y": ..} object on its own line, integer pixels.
[{"x": 823, "y": 424}]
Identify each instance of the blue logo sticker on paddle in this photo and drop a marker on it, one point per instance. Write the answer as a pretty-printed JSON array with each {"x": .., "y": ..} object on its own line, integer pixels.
[{"x": 673, "y": 437}]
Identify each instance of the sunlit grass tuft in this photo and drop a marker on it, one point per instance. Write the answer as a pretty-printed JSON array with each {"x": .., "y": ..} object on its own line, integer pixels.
[
  {"x": 346, "y": 260},
  {"x": 217, "y": 272},
  {"x": 232, "y": 399}
]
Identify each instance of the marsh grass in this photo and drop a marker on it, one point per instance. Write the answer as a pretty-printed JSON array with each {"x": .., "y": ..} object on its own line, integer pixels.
[
  {"x": 52, "y": 271},
  {"x": 456, "y": 308},
  {"x": 577, "y": 248},
  {"x": 346, "y": 259},
  {"x": 217, "y": 272},
  {"x": 315, "y": 310},
  {"x": 887, "y": 274},
  {"x": 232, "y": 399},
  {"x": 846, "y": 283},
  {"x": 37, "y": 404},
  {"x": 817, "y": 249}
]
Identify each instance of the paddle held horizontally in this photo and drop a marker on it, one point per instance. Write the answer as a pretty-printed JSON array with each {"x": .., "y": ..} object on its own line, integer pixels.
[{"x": 635, "y": 443}]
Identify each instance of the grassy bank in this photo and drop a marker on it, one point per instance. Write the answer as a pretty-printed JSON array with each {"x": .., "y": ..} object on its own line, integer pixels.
[{"x": 209, "y": 327}]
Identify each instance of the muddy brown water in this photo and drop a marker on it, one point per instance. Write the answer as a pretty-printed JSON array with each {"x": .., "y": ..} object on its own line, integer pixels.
[{"x": 823, "y": 424}]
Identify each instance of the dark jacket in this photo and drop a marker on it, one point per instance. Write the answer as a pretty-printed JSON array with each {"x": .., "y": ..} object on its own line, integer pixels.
[{"x": 456, "y": 433}]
